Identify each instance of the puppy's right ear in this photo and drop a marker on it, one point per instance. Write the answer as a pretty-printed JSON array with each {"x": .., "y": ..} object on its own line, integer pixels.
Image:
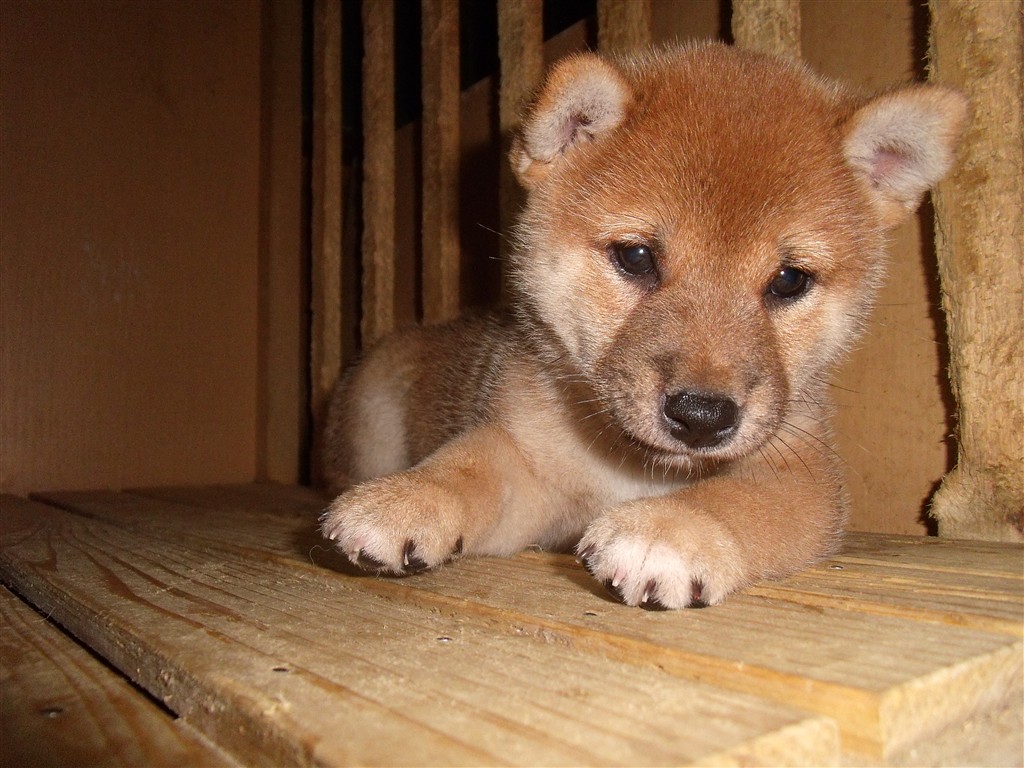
[{"x": 583, "y": 97}]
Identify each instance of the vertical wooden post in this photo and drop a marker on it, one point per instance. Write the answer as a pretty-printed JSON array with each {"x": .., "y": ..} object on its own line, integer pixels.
[
  {"x": 326, "y": 336},
  {"x": 520, "y": 49},
  {"x": 378, "y": 169},
  {"x": 977, "y": 46},
  {"x": 768, "y": 26},
  {"x": 623, "y": 25},
  {"x": 282, "y": 404},
  {"x": 441, "y": 89}
]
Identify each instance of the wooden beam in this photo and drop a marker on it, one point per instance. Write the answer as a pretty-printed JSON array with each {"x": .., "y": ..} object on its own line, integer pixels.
[
  {"x": 326, "y": 333},
  {"x": 378, "y": 169},
  {"x": 768, "y": 26},
  {"x": 282, "y": 401},
  {"x": 623, "y": 25},
  {"x": 979, "y": 236},
  {"x": 520, "y": 49},
  {"x": 441, "y": 91}
]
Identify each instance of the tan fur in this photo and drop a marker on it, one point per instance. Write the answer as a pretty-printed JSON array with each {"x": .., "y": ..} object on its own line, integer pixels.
[{"x": 571, "y": 419}]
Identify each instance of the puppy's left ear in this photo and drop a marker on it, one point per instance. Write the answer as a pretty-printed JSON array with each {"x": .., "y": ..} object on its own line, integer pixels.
[
  {"x": 902, "y": 143},
  {"x": 583, "y": 98}
]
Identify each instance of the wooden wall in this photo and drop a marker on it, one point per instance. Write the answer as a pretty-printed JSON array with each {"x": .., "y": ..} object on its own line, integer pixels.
[{"x": 139, "y": 237}]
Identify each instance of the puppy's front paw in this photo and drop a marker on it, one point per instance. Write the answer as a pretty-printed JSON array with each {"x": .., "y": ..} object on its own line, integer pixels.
[
  {"x": 662, "y": 558},
  {"x": 401, "y": 524}
]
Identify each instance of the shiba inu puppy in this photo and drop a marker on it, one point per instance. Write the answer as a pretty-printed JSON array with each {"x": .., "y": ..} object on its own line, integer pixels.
[{"x": 702, "y": 241}]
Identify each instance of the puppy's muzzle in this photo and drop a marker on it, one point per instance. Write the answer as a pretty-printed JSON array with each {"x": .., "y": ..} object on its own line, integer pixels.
[{"x": 701, "y": 419}]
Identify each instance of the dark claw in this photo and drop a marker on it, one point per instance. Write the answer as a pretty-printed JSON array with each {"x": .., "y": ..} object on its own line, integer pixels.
[
  {"x": 614, "y": 591},
  {"x": 696, "y": 593},
  {"x": 411, "y": 563},
  {"x": 584, "y": 559},
  {"x": 458, "y": 548},
  {"x": 650, "y": 601},
  {"x": 369, "y": 562}
]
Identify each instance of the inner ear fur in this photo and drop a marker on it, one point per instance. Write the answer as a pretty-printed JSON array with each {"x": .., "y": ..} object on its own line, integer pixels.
[
  {"x": 582, "y": 98},
  {"x": 902, "y": 143}
]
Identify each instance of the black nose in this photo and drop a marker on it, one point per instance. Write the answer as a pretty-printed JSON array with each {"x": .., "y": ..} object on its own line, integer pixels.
[{"x": 699, "y": 419}]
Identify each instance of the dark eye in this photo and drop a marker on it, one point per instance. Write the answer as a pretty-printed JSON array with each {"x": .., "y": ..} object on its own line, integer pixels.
[
  {"x": 633, "y": 259},
  {"x": 789, "y": 283}
]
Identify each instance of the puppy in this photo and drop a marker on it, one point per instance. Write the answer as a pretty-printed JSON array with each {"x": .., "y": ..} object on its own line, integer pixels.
[{"x": 702, "y": 241}]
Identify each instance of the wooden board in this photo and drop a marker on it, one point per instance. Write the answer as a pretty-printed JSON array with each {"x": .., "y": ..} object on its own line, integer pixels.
[
  {"x": 62, "y": 706},
  {"x": 865, "y": 640},
  {"x": 287, "y": 662},
  {"x": 876, "y": 652}
]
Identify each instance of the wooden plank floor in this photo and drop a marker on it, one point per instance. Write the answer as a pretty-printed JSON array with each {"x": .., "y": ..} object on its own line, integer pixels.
[{"x": 225, "y": 606}]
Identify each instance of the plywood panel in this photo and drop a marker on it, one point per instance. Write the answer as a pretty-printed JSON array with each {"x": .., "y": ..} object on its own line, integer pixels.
[{"x": 129, "y": 249}]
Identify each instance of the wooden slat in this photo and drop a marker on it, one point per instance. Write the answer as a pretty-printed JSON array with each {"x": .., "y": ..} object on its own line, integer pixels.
[
  {"x": 293, "y": 663},
  {"x": 978, "y": 47},
  {"x": 891, "y": 669},
  {"x": 281, "y": 399},
  {"x": 769, "y": 26},
  {"x": 63, "y": 707},
  {"x": 947, "y": 596},
  {"x": 440, "y": 73},
  {"x": 890, "y": 682},
  {"x": 623, "y": 25},
  {"x": 326, "y": 352},
  {"x": 378, "y": 169},
  {"x": 520, "y": 49}
]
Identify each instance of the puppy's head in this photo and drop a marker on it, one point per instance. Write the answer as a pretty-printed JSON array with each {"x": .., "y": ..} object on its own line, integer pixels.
[{"x": 704, "y": 231}]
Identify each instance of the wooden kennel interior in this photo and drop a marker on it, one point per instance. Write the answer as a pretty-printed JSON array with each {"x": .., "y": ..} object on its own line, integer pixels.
[{"x": 196, "y": 236}]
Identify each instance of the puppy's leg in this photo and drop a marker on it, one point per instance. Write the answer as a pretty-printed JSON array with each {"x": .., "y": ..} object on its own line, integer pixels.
[
  {"x": 447, "y": 505},
  {"x": 693, "y": 547}
]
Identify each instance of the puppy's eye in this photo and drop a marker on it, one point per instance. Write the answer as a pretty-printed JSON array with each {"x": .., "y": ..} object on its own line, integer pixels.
[
  {"x": 633, "y": 259},
  {"x": 789, "y": 283}
]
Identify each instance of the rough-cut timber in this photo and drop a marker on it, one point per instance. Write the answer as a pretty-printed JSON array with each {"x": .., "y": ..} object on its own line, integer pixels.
[
  {"x": 326, "y": 336},
  {"x": 978, "y": 45},
  {"x": 378, "y": 170},
  {"x": 770, "y": 26},
  {"x": 623, "y": 25},
  {"x": 440, "y": 75},
  {"x": 520, "y": 49},
  {"x": 61, "y": 706},
  {"x": 225, "y": 604}
]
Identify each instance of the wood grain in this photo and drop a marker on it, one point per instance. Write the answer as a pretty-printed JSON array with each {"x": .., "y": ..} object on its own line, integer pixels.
[
  {"x": 873, "y": 647},
  {"x": 521, "y": 52},
  {"x": 62, "y": 706},
  {"x": 440, "y": 151},
  {"x": 623, "y": 25},
  {"x": 769, "y": 26},
  {"x": 978, "y": 47},
  {"x": 326, "y": 351},
  {"x": 378, "y": 170},
  {"x": 292, "y": 665}
]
